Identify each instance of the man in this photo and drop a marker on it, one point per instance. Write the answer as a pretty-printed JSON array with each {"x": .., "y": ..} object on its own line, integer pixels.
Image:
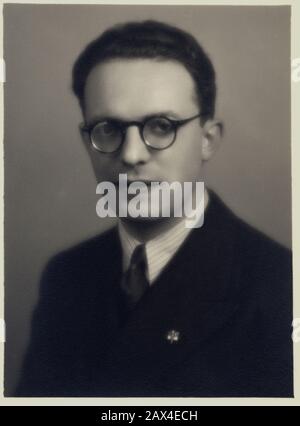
[{"x": 153, "y": 308}]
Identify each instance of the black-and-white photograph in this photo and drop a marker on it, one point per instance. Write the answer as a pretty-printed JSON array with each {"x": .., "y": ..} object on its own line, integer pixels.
[{"x": 148, "y": 210}]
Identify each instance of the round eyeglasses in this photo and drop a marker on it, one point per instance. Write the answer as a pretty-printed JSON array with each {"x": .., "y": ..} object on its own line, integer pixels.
[{"x": 157, "y": 132}]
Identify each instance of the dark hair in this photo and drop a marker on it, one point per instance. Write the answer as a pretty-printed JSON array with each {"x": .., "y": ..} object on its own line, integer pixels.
[{"x": 149, "y": 39}]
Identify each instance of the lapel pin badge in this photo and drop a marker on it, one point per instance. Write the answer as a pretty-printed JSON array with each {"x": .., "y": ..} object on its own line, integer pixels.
[{"x": 173, "y": 336}]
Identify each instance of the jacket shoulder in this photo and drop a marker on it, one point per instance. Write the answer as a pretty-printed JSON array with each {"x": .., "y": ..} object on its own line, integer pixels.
[
  {"x": 101, "y": 242},
  {"x": 81, "y": 264},
  {"x": 249, "y": 239},
  {"x": 263, "y": 265}
]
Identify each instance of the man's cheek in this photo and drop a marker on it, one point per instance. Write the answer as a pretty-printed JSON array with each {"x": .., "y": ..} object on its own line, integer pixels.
[{"x": 105, "y": 172}]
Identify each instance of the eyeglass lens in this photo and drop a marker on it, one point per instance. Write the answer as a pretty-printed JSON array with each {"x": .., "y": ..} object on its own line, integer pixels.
[{"x": 158, "y": 132}]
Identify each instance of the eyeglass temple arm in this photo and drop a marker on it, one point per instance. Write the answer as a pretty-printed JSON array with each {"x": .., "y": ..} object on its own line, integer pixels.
[
  {"x": 85, "y": 128},
  {"x": 187, "y": 120}
]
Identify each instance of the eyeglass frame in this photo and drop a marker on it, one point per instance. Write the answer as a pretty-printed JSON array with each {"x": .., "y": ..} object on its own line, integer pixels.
[{"x": 177, "y": 124}]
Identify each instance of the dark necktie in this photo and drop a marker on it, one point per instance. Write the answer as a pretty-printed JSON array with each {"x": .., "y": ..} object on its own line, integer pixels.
[{"x": 135, "y": 283}]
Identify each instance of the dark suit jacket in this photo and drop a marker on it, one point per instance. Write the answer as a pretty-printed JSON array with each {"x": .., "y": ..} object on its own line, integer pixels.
[{"x": 227, "y": 292}]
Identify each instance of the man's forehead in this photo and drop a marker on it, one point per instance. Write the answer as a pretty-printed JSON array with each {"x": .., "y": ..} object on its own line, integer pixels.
[{"x": 139, "y": 86}]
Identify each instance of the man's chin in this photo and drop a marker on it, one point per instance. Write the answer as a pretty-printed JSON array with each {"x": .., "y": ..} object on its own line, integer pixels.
[
  {"x": 145, "y": 212},
  {"x": 143, "y": 219}
]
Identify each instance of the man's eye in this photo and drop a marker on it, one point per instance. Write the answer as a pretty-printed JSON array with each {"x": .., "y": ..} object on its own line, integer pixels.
[
  {"x": 107, "y": 129},
  {"x": 160, "y": 126}
]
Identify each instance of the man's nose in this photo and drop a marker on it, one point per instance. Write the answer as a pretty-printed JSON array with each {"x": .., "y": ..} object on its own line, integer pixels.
[{"x": 134, "y": 151}]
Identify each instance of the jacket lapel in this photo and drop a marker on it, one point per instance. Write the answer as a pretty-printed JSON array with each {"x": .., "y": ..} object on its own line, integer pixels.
[{"x": 194, "y": 297}]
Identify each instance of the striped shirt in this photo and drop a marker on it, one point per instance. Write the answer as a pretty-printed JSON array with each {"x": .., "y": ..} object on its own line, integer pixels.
[{"x": 159, "y": 250}]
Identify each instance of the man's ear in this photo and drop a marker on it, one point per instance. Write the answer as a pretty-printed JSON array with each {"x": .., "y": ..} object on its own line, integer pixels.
[
  {"x": 87, "y": 144},
  {"x": 92, "y": 153},
  {"x": 84, "y": 137},
  {"x": 211, "y": 139}
]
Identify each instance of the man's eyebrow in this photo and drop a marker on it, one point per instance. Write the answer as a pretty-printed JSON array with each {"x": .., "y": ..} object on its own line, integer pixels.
[
  {"x": 97, "y": 118},
  {"x": 166, "y": 113}
]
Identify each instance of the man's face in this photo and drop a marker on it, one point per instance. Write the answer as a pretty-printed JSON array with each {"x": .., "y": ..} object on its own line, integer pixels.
[{"x": 130, "y": 89}]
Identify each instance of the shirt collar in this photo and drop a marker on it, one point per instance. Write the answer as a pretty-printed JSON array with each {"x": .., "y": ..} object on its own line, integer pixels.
[{"x": 159, "y": 250}]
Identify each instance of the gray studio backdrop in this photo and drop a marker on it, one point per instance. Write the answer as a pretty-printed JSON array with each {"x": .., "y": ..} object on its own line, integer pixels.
[{"x": 49, "y": 185}]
